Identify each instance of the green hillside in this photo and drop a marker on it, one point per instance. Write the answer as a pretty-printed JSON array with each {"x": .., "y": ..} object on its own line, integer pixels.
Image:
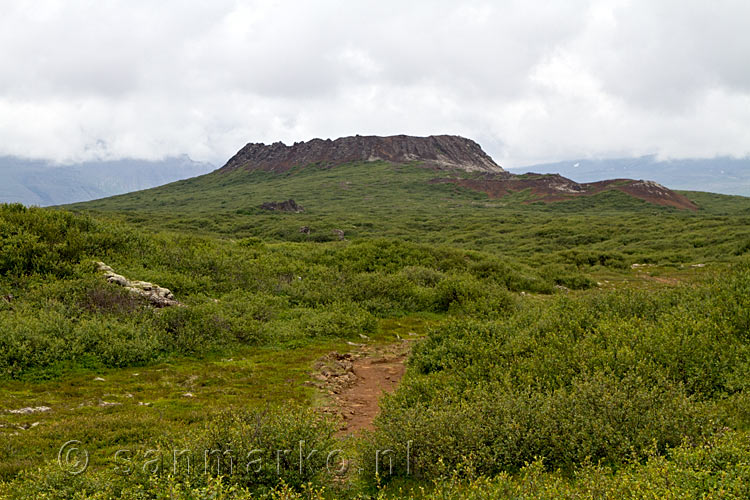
[
  {"x": 375, "y": 200},
  {"x": 590, "y": 348}
]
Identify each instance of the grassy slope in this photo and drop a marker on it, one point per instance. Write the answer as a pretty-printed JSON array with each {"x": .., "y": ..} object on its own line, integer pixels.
[
  {"x": 272, "y": 309},
  {"x": 383, "y": 200},
  {"x": 528, "y": 246}
]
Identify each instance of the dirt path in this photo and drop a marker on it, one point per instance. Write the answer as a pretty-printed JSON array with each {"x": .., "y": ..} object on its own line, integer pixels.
[
  {"x": 355, "y": 382},
  {"x": 359, "y": 403}
]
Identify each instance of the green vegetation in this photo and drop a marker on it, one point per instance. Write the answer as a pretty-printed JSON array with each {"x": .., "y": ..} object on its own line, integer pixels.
[
  {"x": 607, "y": 377},
  {"x": 380, "y": 200},
  {"x": 593, "y": 348},
  {"x": 717, "y": 470}
]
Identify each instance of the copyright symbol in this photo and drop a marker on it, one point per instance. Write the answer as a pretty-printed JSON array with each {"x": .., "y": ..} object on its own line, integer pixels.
[{"x": 72, "y": 459}]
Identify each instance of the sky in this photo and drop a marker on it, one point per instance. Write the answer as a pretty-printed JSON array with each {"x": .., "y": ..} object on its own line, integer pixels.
[{"x": 530, "y": 81}]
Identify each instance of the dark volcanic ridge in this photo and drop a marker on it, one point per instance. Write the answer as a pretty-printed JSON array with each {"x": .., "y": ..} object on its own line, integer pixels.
[
  {"x": 444, "y": 153},
  {"x": 441, "y": 151},
  {"x": 554, "y": 187}
]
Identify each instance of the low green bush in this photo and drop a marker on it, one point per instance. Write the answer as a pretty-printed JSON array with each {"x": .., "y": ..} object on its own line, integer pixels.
[
  {"x": 261, "y": 449},
  {"x": 606, "y": 377}
]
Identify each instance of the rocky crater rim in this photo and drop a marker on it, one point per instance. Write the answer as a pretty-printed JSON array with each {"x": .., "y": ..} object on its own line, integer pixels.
[{"x": 440, "y": 151}]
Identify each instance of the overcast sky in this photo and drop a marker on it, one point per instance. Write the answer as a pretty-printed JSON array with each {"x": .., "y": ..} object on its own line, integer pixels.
[{"x": 530, "y": 81}]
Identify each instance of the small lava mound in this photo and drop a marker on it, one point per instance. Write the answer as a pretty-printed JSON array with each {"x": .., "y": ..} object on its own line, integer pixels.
[{"x": 554, "y": 187}]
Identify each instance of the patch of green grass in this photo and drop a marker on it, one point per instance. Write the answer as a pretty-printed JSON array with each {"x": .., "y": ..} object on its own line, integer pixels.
[
  {"x": 558, "y": 334},
  {"x": 149, "y": 402}
]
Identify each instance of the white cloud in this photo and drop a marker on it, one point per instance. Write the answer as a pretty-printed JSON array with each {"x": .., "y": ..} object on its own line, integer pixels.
[{"x": 530, "y": 82}]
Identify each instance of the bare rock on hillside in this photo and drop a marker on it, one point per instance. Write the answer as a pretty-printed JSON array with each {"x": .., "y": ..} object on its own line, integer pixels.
[
  {"x": 440, "y": 151},
  {"x": 158, "y": 296},
  {"x": 29, "y": 410},
  {"x": 554, "y": 187},
  {"x": 283, "y": 206}
]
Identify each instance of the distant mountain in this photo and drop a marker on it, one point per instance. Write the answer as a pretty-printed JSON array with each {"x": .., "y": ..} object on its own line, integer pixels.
[
  {"x": 716, "y": 175},
  {"x": 35, "y": 182},
  {"x": 440, "y": 151},
  {"x": 372, "y": 175}
]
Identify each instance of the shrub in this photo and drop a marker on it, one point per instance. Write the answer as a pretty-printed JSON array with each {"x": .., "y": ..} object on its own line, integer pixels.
[
  {"x": 604, "y": 377},
  {"x": 261, "y": 449}
]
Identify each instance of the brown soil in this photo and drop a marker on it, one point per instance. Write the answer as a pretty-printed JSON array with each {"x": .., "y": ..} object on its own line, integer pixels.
[
  {"x": 355, "y": 382},
  {"x": 554, "y": 187}
]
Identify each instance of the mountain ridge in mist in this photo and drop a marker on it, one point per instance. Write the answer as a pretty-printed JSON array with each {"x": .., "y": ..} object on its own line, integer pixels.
[
  {"x": 37, "y": 182},
  {"x": 724, "y": 175}
]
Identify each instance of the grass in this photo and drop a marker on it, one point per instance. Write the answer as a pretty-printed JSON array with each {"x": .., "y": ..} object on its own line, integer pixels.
[
  {"x": 150, "y": 403},
  {"x": 570, "y": 302},
  {"x": 382, "y": 200}
]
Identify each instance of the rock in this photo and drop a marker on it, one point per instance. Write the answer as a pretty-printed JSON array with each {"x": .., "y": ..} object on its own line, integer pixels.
[
  {"x": 158, "y": 296},
  {"x": 438, "y": 151},
  {"x": 339, "y": 233},
  {"x": 304, "y": 230},
  {"x": 283, "y": 206},
  {"x": 550, "y": 188},
  {"x": 29, "y": 410},
  {"x": 104, "y": 267},
  {"x": 118, "y": 280},
  {"x": 334, "y": 372}
]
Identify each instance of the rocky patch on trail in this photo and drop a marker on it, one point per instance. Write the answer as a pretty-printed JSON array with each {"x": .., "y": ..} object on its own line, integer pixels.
[
  {"x": 354, "y": 382},
  {"x": 283, "y": 206},
  {"x": 158, "y": 296},
  {"x": 334, "y": 372}
]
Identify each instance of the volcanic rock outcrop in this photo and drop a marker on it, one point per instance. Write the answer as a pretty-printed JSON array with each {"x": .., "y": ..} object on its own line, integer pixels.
[
  {"x": 441, "y": 151},
  {"x": 158, "y": 296},
  {"x": 450, "y": 156}
]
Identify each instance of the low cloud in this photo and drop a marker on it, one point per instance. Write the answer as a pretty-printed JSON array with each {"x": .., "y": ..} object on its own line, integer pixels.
[{"x": 554, "y": 80}]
